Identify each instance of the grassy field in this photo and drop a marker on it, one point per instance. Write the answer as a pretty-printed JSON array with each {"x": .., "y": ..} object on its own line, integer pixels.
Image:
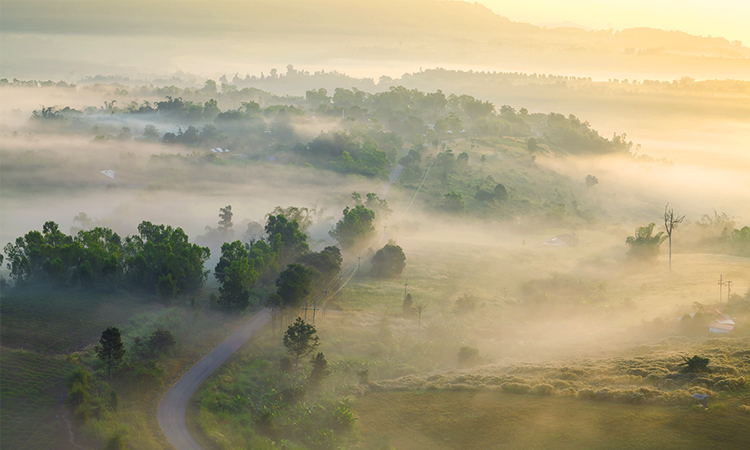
[
  {"x": 45, "y": 335},
  {"x": 483, "y": 419},
  {"x": 31, "y": 390}
]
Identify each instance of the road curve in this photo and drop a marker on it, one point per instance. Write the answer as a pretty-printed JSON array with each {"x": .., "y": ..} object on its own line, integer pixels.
[{"x": 172, "y": 406}]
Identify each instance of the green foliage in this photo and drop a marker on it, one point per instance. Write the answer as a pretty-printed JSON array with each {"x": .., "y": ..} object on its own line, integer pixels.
[
  {"x": 115, "y": 442},
  {"x": 300, "y": 340},
  {"x": 320, "y": 371},
  {"x": 453, "y": 203},
  {"x": 327, "y": 263},
  {"x": 389, "y": 261},
  {"x": 285, "y": 238},
  {"x": 354, "y": 227},
  {"x": 110, "y": 349},
  {"x": 578, "y": 137},
  {"x": 644, "y": 245},
  {"x": 160, "y": 257},
  {"x": 740, "y": 241},
  {"x": 234, "y": 293},
  {"x": 348, "y": 153},
  {"x": 696, "y": 364},
  {"x": 93, "y": 257},
  {"x": 79, "y": 386},
  {"x": 294, "y": 285}
]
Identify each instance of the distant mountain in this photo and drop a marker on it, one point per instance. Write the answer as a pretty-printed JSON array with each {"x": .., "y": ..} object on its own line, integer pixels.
[{"x": 321, "y": 31}]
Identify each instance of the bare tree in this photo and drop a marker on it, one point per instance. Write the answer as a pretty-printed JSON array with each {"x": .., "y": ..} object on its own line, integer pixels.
[{"x": 670, "y": 222}]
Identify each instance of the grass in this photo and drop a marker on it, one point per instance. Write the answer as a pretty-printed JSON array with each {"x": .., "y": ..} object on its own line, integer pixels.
[
  {"x": 30, "y": 395},
  {"x": 64, "y": 321},
  {"x": 45, "y": 335},
  {"x": 482, "y": 419}
]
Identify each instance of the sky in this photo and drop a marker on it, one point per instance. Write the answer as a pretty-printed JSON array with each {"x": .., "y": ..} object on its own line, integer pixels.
[{"x": 725, "y": 18}]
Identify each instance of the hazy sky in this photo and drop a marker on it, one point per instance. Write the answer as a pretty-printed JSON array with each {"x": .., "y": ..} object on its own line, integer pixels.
[{"x": 725, "y": 18}]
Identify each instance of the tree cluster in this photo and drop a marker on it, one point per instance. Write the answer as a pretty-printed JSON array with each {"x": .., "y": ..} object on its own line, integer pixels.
[{"x": 159, "y": 259}]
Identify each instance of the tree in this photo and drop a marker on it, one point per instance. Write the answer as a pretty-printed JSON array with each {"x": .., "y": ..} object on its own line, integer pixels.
[
  {"x": 225, "y": 224},
  {"x": 389, "y": 261},
  {"x": 670, "y": 223},
  {"x": 644, "y": 245},
  {"x": 453, "y": 202},
  {"x": 327, "y": 263},
  {"x": 591, "y": 180},
  {"x": 303, "y": 216},
  {"x": 294, "y": 284},
  {"x": 110, "y": 349},
  {"x": 696, "y": 364},
  {"x": 285, "y": 238},
  {"x": 319, "y": 372},
  {"x": 161, "y": 341},
  {"x": 501, "y": 194},
  {"x": 532, "y": 145},
  {"x": 300, "y": 340},
  {"x": 355, "y": 226}
]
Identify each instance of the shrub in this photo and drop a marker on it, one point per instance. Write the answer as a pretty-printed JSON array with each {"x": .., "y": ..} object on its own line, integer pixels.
[
  {"x": 515, "y": 388},
  {"x": 389, "y": 261},
  {"x": 468, "y": 356},
  {"x": 731, "y": 384},
  {"x": 696, "y": 364}
]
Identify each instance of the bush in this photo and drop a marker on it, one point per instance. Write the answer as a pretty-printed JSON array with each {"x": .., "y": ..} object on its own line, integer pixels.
[
  {"x": 389, "y": 261},
  {"x": 731, "y": 384},
  {"x": 543, "y": 389},
  {"x": 468, "y": 356}
]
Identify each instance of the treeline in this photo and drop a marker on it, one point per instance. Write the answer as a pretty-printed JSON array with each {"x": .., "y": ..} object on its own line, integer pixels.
[
  {"x": 375, "y": 125},
  {"x": 159, "y": 259}
]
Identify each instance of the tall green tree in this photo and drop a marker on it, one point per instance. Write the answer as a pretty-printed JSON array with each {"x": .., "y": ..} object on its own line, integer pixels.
[
  {"x": 300, "y": 340},
  {"x": 285, "y": 238},
  {"x": 110, "y": 349},
  {"x": 354, "y": 227},
  {"x": 294, "y": 284}
]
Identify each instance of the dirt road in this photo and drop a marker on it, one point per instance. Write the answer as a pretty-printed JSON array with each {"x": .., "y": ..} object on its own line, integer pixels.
[{"x": 171, "y": 411}]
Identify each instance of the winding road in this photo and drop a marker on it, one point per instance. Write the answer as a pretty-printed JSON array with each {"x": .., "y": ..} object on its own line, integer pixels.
[{"x": 172, "y": 406}]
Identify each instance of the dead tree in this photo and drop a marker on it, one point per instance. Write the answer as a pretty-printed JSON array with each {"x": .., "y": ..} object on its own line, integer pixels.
[{"x": 670, "y": 222}]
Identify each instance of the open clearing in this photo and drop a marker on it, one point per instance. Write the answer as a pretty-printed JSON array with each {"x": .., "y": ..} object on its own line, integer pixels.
[{"x": 486, "y": 419}]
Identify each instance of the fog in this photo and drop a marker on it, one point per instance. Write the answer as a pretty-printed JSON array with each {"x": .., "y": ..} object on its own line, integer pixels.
[{"x": 515, "y": 167}]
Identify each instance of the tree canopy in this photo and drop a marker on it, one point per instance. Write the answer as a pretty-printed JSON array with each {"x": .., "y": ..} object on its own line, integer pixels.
[
  {"x": 355, "y": 226},
  {"x": 644, "y": 245},
  {"x": 389, "y": 261}
]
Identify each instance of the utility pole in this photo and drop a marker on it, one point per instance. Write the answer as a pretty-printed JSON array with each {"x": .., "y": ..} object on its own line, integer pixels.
[
  {"x": 721, "y": 287},
  {"x": 729, "y": 290},
  {"x": 406, "y": 284},
  {"x": 358, "y": 258},
  {"x": 316, "y": 304}
]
